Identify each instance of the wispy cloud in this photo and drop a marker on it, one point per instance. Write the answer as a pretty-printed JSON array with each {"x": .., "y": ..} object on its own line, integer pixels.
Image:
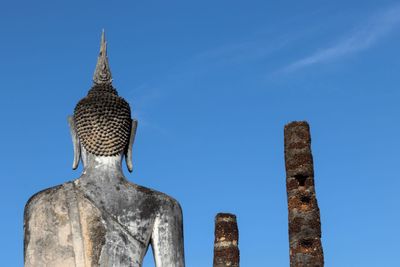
[
  {"x": 236, "y": 53},
  {"x": 257, "y": 47},
  {"x": 363, "y": 37}
]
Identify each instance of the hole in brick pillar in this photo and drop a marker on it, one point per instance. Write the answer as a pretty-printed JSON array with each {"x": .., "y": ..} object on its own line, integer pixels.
[
  {"x": 306, "y": 243},
  {"x": 305, "y": 199},
  {"x": 301, "y": 179}
]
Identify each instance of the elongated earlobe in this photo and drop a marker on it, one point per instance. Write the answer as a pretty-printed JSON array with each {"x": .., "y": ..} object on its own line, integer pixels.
[
  {"x": 128, "y": 153},
  {"x": 75, "y": 142}
]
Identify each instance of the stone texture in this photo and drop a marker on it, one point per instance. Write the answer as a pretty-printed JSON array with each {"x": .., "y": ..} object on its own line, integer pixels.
[
  {"x": 304, "y": 215},
  {"x": 226, "y": 250}
]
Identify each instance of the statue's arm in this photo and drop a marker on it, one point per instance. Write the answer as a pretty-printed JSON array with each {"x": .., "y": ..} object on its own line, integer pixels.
[
  {"x": 46, "y": 231},
  {"x": 167, "y": 237},
  {"x": 35, "y": 234}
]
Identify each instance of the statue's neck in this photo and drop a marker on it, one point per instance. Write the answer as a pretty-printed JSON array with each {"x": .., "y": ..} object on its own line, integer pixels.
[{"x": 101, "y": 170}]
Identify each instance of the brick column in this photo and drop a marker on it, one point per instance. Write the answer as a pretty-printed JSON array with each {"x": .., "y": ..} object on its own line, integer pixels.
[
  {"x": 304, "y": 217},
  {"x": 226, "y": 250}
]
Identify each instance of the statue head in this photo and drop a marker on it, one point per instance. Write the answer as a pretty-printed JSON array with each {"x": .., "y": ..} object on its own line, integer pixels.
[{"x": 102, "y": 122}]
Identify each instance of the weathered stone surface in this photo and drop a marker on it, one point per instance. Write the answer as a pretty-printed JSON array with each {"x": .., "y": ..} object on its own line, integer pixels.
[
  {"x": 115, "y": 226},
  {"x": 226, "y": 250},
  {"x": 304, "y": 217},
  {"x": 101, "y": 219}
]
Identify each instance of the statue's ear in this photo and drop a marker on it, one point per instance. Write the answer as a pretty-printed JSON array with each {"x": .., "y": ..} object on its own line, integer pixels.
[
  {"x": 75, "y": 142},
  {"x": 128, "y": 152}
]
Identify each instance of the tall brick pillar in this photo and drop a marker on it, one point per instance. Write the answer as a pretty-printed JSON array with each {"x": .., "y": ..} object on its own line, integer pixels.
[
  {"x": 226, "y": 250},
  {"x": 304, "y": 217}
]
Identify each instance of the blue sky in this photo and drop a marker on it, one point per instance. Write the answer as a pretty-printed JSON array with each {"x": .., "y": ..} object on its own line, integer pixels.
[{"x": 212, "y": 84}]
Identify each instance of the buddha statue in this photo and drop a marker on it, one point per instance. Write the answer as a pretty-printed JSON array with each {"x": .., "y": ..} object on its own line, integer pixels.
[{"x": 102, "y": 219}]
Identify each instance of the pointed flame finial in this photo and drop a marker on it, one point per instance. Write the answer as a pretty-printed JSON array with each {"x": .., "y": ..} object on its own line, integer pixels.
[{"x": 102, "y": 73}]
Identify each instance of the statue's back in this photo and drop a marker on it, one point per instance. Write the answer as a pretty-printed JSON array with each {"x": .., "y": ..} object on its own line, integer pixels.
[{"x": 66, "y": 226}]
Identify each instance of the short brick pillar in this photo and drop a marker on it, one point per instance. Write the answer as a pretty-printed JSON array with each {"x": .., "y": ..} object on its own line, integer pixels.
[{"x": 226, "y": 250}]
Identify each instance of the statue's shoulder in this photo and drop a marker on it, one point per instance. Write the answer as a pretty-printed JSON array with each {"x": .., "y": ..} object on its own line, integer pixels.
[
  {"x": 162, "y": 200},
  {"x": 43, "y": 198}
]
